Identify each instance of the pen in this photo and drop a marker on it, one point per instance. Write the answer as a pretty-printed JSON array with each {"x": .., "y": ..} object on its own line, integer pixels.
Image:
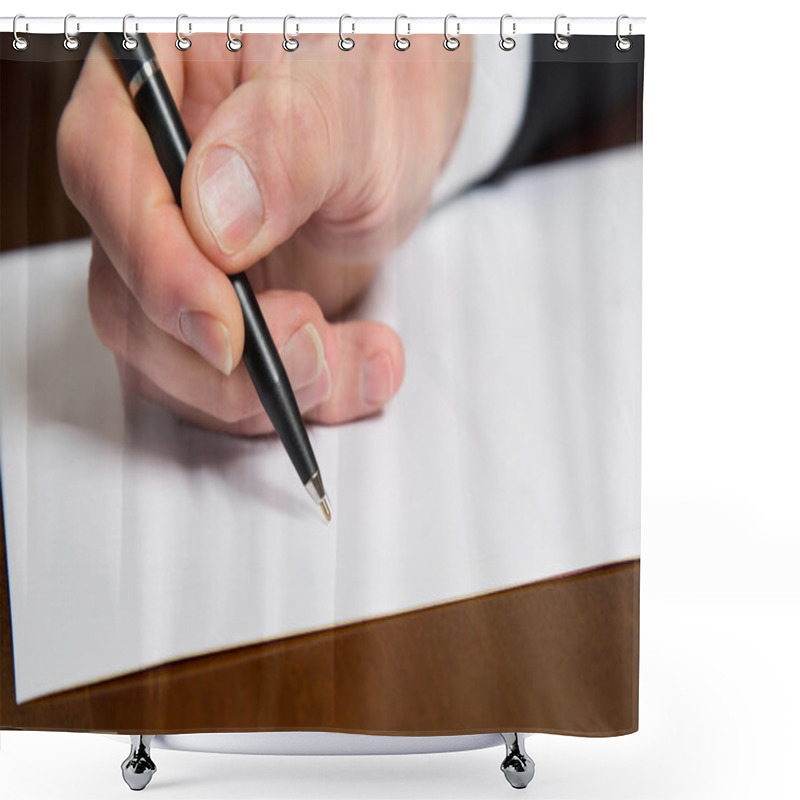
[{"x": 159, "y": 114}]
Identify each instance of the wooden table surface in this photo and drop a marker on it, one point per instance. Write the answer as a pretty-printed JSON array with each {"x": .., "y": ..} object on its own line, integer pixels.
[{"x": 558, "y": 656}]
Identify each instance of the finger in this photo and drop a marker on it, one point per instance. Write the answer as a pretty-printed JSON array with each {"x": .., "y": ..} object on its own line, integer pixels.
[
  {"x": 265, "y": 161},
  {"x": 258, "y": 424},
  {"x": 297, "y": 327},
  {"x": 332, "y": 368},
  {"x": 111, "y": 173},
  {"x": 350, "y": 144},
  {"x": 140, "y": 384},
  {"x": 294, "y": 265},
  {"x": 362, "y": 388},
  {"x": 368, "y": 366}
]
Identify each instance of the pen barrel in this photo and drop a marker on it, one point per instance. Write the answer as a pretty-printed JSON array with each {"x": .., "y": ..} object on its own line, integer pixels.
[
  {"x": 155, "y": 106},
  {"x": 161, "y": 118},
  {"x": 261, "y": 358}
]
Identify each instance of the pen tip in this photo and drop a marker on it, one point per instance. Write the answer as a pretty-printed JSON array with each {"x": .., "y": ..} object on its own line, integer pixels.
[
  {"x": 326, "y": 509},
  {"x": 316, "y": 490}
]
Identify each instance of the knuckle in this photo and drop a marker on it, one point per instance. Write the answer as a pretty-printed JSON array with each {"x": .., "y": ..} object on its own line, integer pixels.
[{"x": 369, "y": 220}]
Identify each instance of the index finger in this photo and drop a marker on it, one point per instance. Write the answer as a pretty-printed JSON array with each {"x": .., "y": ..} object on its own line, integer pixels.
[{"x": 110, "y": 172}]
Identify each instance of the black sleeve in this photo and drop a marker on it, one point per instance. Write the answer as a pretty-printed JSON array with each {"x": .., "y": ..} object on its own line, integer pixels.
[{"x": 581, "y": 100}]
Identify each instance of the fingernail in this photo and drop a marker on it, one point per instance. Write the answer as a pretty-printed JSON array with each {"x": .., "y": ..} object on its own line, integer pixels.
[
  {"x": 377, "y": 380},
  {"x": 230, "y": 200},
  {"x": 317, "y": 392},
  {"x": 303, "y": 356},
  {"x": 209, "y": 337}
]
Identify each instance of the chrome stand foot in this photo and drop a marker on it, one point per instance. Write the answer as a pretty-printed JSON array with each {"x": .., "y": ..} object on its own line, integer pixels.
[
  {"x": 517, "y": 766},
  {"x": 138, "y": 768}
]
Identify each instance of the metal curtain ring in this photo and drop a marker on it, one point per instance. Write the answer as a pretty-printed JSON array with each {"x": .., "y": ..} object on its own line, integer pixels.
[
  {"x": 623, "y": 44},
  {"x": 70, "y": 42},
  {"x": 400, "y": 42},
  {"x": 233, "y": 44},
  {"x": 560, "y": 42},
  {"x": 290, "y": 44},
  {"x": 345, "y": 42},
  {"x": 20, "y": 42},
  {"x": 128, "y": 42},
  {"x": 451, "y": 42},
  {"x": 507, "y": 42},
  {"x": 181, "y": 41}
]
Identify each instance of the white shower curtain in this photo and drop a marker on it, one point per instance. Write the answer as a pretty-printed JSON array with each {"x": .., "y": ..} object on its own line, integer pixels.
[{"x": 453, "y": 280}]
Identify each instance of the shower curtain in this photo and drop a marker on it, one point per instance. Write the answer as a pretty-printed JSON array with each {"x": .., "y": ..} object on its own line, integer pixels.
[{"x": 445, "y": 242}]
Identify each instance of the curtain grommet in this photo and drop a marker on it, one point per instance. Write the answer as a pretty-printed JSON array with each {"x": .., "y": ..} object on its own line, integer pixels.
[
  {"x": 346, "y": 43},
  {"x": 451, "y": 43},
  {"x": 233, "y": 44},
  {"x": 20, "y": 42},
  {"x": 129, "y": 42},
  {"x": 290, "y": 43},
  {"x": 623, "y": 44},
  {"x": 183, "y": 43},
  {"x": 71, "y": 42},
  {"x": 401, "y": 43},
  {"x": 561, "y": 43},
  {"x": 507, "y": 43}
]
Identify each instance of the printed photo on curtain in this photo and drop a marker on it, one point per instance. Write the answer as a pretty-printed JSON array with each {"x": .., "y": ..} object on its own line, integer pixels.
[{"x": 320, "y": 386}]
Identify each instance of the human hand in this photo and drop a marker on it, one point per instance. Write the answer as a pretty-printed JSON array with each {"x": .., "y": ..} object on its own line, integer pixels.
[{"x": 307, "y": 168}]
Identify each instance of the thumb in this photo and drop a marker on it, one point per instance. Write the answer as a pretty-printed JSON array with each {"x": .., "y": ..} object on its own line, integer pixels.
[{"x": 263, "y": 164}]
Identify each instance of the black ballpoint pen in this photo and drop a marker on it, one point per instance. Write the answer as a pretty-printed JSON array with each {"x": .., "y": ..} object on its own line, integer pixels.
[{"x": 160, "y": 116}]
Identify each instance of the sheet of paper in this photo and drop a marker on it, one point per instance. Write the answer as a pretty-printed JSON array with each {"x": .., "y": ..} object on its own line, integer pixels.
[{"x": 511, "y": 453}]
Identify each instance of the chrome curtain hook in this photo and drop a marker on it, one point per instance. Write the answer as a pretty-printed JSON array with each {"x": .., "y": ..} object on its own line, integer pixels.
[
  {"x": 233, "y": 44},
  {"x": 70, "y": 42},
  {"x": 623, "y": 44},
  {"x": 128, "y": 42},
  {"x": 400, "y": 42},
  {"x": 560, "y": 42},
  {"x": 451, "y": 42},
  {"x": 345, "y": 42},
  {"x": 182, "y": 42},
  {"x": 507, "y": 42},
  {"x": 290, "y": 44},
  {"x": 20, "y": 42}
]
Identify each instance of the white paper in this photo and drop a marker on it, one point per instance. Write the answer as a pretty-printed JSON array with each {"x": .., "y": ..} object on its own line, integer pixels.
[{"x": 510, "y": 454}]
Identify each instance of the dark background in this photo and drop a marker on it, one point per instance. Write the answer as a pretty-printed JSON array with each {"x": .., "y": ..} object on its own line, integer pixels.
[
  {"x": 34, "y": 87},
  {"x": 584, "y": 99}
]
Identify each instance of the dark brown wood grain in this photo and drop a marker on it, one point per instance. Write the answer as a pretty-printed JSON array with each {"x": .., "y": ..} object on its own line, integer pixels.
[
  {"x": 556, "y": 656},
  {"x": 34, "y": 87}
]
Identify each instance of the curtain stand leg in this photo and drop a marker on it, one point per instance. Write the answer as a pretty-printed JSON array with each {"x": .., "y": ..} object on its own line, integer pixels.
[
  {"x": 138, "y": 768},
  {"x": 517, "y": 766}
]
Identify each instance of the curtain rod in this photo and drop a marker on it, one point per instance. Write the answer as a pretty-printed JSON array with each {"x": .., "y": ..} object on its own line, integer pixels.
[{"x": 512, "y": 26}]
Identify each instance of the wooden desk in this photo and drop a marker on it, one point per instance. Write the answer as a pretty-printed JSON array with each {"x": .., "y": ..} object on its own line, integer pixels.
[{"x": 558, "y": 656}]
